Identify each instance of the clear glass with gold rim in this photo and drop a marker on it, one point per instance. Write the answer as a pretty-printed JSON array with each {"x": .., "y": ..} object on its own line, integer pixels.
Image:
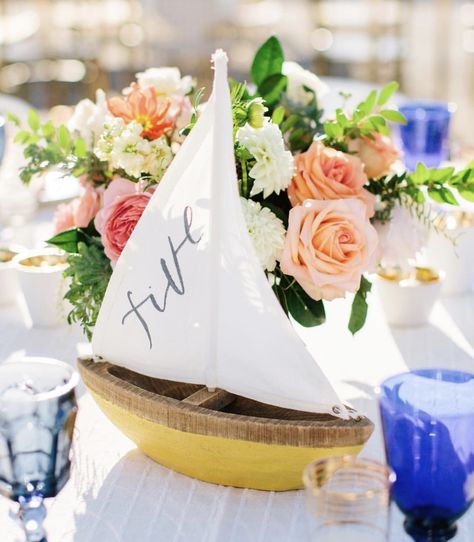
[{"x": 349, "y": 499}]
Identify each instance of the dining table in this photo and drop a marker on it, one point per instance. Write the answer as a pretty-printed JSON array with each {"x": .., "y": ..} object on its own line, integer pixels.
[{"x": 117, "y": 494}]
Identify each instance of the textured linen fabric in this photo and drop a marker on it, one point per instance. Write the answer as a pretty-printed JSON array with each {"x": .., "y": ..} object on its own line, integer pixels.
[{"x": 118, "y": 495}]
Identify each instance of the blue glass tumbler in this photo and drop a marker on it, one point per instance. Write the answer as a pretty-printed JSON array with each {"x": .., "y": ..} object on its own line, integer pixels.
[
  {"x": 428, "y": 421},
  {"x": 37, "y": 414},
  {"x": 424, "y": 137}
]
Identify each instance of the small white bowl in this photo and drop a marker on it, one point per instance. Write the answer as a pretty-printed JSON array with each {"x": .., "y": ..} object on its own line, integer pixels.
[
  {"x": 408, "y": 299},
  {"x": 9, "y": 287},
  {"x": 40, "y": 273}
]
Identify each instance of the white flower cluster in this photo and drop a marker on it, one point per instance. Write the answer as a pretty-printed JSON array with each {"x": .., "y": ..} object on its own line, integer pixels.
[
  {"x": 167, "y": 81},
  {"x": 123, "y": 147},
  {"x": 89, "y": 118},
  {"x": 274, "y": 165},
  {"x": 298, "y": 79},
  {"x": 267, "y": 232}
]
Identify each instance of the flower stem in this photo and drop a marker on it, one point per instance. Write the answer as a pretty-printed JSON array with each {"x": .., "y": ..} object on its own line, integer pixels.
[{"x": 244, "y": 191}]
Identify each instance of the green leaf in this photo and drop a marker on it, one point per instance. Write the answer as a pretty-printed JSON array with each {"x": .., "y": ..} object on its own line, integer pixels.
[
  {"x": 467, "y": 192},
  {"x": 66, "y": 240},
  {"x": 33, "y": 120},
  {"x": 378, "y": 121},
  {"x": 289, "y": 122},
  {"x": 48, "y": 130},
  {"x": 69, "y": 240},
  {"x": 305, "y": 310},
  {"x": 80, "y": 149},
  {"x": 333, "y": 130},
  {"x": 278, "y": 115},
  {"x": 387, "y": 92},
  {"x": 64, "y": 139},
  {"x": 341, "y": 118},
  {"x": 368, "y": 104},
  {"x": 280, "y": 293},
  {"x": 420, "y": 174},
  {"x": 21, "y": 137},
  {"x": 268, "y": 60},
  {"x": 359, "y": 306},
  {"x": 442, "y": 174},
  {"x": 89, "y": 272},
  {"x": 442, "y": 195},
  {"x": 272, "y": 87},
  {"x": 14, "y": 119},
  {"x": 393, "y": 116}
]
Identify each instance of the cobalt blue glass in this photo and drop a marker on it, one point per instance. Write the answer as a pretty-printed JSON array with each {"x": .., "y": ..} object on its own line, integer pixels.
[
  {"x": 424, "y": 137},
  {"x": 428, "y": 421},
  {"x": 37, "y": 414}
]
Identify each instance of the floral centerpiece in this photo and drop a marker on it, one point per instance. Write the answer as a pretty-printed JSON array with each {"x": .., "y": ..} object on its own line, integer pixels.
[{"x": 322, "y": 201}]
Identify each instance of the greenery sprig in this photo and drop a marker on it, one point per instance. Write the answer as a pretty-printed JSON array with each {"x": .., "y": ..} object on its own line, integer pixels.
[
  {"x": 370, "y": 115},
  {"x": 89, "y": 272},
  {"x": 46, "y": 146}
]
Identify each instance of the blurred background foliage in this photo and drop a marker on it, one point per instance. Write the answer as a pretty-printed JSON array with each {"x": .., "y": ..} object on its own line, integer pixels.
[{"x": 58, "y": 51}]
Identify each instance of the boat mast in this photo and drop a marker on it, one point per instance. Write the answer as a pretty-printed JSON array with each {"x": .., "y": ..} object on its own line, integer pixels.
[{"x": 222, "y": 129}]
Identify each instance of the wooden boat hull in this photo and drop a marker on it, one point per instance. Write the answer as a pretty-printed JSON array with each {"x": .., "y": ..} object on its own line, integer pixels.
[{"x": 218, "y": 447}]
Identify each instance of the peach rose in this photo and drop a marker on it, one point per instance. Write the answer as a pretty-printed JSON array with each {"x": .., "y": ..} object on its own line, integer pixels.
[
  {"x": 123, "y": 207},
  {"x": 323, "y": 173},
  {"x": 79, "y": 212},
  {"x": 377, "y": 154},
  {"x": 329, "y": 245}
]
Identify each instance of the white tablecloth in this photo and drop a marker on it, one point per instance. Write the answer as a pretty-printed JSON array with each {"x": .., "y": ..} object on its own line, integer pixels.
[{"x": 116, "y": 494}]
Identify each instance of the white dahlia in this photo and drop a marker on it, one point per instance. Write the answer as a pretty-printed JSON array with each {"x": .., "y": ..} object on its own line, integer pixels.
[
  {"x": 267, "y": 232},
  {"x": 274, "y": 165}
]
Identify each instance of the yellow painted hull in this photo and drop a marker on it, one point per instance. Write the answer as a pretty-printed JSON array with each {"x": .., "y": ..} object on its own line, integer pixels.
[{"x": 219, "y": 460}]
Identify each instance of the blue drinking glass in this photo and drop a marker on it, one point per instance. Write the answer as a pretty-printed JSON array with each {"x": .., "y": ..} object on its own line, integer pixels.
[
  {"x": 428, "y": 425},
  {"x": 425, "y": 135},
  {"x": 37, "y": 414}
]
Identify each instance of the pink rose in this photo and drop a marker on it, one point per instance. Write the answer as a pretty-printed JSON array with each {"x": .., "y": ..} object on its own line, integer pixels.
[
  {"x": 79, "y": 212},
  {"x": 323, "y": 173},
  {"x": 183, "y": 113},
  {"x": 123, "y": 207},
  {"x": 377, "y": 154},
  {"x": 64, "y": 217},
  {"x": 328, "y": 246}
]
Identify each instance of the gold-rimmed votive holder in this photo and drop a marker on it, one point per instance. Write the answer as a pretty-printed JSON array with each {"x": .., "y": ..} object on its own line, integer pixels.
[
  {"x": 408, "y": 295},
  {"x": 450, "y": 247},
  {"x": 40, "y": 273},
  {"x": 9, "y": 288},
  {"x": 349, "y": 499}
]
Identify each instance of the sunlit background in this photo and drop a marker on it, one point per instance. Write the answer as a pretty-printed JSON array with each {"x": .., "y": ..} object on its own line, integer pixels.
[{"x": 58, "y": 51}]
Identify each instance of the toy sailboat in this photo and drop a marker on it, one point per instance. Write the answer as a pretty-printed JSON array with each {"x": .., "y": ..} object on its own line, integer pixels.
[{"x": 194, "y": 359}]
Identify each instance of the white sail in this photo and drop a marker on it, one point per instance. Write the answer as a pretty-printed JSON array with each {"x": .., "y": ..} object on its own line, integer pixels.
[{"x": 188, "y": 299}]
